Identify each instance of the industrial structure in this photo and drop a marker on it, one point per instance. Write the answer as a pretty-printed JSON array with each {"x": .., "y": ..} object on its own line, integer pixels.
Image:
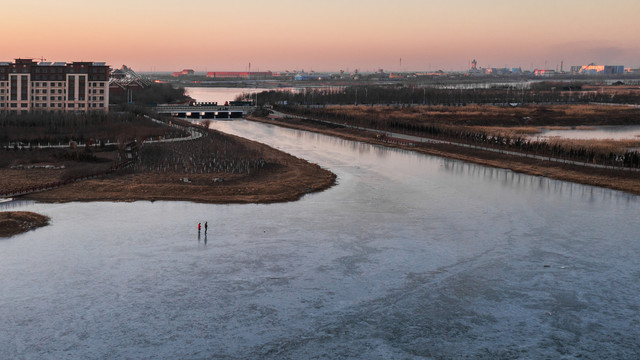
[
  {"x": 27, "y": 85},
  {"x": 239, "y": 74},
  {"x": 185, "y": 72},
  {"x": 593, "y": 69}
]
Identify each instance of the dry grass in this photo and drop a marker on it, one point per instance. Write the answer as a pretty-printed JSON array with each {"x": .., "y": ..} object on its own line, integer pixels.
[
  {"x": 17, "y": 222},
  {"x": 513, "y": 132},
  {"x": 598, "y": 146},
  {"x": 488, "y": 115}
]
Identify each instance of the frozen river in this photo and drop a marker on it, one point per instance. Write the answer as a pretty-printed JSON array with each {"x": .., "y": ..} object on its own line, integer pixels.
[
  {"x": 614, "y": 132},
  {"x": 408, "y": 257}
]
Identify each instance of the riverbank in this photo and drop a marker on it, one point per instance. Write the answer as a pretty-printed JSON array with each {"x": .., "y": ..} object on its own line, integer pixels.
[
  {"x": 287, "y": 181},
  {"x": 273, "y": 177},
  {"x": 18, "y": 222},
  {"x": 613, "y": 179}
]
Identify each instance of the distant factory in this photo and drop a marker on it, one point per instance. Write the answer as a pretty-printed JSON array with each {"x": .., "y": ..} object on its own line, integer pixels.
[
  {"x": 593, "y": 69},
  {"x": 255, "y": 75},
  {"x": 185, "y": 72}
]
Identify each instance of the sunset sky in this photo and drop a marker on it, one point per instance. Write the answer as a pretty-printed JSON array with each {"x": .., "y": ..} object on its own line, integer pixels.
[{"x": 278, "y": 35}]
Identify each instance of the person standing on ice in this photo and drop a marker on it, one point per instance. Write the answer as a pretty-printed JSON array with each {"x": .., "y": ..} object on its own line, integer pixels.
[
  {"x": 198, "y": 228},
  {"x": 205, "y": 227}
]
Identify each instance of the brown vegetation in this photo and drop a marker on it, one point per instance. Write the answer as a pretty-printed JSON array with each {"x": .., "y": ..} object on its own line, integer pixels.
[
  {"x": 613, "y": 179},
  {"x": 488, "y": 115},
  {"x": 92, "y": 128},
  {"x": 17, "y": 222},
  {"x": 282, "y": 178},
  {"x": 215, "y": 168}
]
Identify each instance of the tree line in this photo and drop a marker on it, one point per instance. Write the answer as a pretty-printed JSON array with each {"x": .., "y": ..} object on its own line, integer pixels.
[{"x": 400, "y": 94}]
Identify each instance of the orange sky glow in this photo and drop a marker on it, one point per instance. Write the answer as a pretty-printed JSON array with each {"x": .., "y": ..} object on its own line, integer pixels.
[{"x": 280, "y": 35}]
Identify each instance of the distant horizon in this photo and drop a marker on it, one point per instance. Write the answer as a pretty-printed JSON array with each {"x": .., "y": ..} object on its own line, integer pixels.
[
  {"x": 200, "y": 71},
  {"x": 149, "y": 69},
  {"x": 566, "y": 67},
  {"x": 398, "y": 36}
]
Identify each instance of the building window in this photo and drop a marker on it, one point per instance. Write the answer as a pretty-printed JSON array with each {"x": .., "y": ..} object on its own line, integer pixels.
[
  {"x": 70, "y": 105},
  {"x": 24, "y": 105}
]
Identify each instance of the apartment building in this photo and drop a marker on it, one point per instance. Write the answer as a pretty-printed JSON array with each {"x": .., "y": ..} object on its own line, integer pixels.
[{"x": 27, "y": 85}]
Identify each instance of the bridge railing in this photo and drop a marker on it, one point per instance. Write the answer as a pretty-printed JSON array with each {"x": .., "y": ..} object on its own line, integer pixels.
[{"x": 196, "y": 108}]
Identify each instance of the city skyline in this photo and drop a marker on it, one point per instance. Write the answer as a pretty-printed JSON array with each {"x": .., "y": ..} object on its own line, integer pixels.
[{"x": 405, "y": 35}]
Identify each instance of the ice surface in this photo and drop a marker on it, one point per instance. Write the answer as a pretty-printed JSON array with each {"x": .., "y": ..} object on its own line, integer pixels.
[{"x": 410, "y": 256}]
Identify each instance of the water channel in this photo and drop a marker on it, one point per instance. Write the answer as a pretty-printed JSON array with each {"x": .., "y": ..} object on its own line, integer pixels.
[
  {"x": 408, "y": 257},
  {"x": 613, "y": 132}
]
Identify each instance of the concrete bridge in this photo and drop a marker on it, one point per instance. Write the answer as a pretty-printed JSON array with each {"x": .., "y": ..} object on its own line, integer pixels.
[{"x": 204, "y": 111}]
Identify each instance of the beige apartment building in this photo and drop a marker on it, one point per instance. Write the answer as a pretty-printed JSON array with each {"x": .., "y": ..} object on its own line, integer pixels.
[{"x": 27, "y": 85}]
